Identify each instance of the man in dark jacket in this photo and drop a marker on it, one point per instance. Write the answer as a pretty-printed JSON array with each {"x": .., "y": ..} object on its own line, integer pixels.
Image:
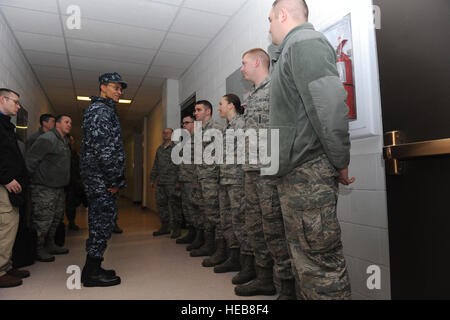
[
  {"x": 102, "y": 165},
  {"x": 48, "y": 162},
  {"x": 13, "y": 181}
]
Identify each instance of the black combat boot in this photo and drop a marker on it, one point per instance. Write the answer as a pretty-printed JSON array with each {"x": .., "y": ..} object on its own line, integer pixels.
[
  {"x": 287, "y": 290},
  {"x": 163, "y": 230},
  {"x": 219, "y": 256},
  {"x": 261, "y": 286},
  {"x": 247, "y": 272},
  {"x": 198, "y": 241},
  {"x": 188, "y": 238},
  {"x": 208, "y": 248},
  {"x": 109, "y": 273},
  {"x": 176, "y": 231},
  {"x": 231, "y": 264},
  {"x": 92, "y": 275}
]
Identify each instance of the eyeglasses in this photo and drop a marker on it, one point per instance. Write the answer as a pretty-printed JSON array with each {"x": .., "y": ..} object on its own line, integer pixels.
[
  {"x": 187, "y": 122},
  {"x": 17, "y": 102}
]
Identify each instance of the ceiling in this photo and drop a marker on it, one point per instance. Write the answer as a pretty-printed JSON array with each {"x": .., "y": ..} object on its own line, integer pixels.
[{"x": 146, "y": 41}]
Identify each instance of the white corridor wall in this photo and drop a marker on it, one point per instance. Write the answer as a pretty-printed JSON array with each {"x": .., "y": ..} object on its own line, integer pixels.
[{"x": 16, "y": 74}]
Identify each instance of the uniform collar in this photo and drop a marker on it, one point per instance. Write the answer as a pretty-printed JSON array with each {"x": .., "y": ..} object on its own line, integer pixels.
[
  {"x": 262, "y": 84},
  {"x": 305, "y": 26},
  {"x": 108, "y": 101}
]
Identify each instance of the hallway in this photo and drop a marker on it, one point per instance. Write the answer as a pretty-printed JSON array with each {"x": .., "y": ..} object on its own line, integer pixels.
[{"x": 150, "y": 268}]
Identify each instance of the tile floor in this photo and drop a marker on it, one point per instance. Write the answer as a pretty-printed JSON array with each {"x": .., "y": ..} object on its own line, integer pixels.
[{"x": 151, "y": 268}]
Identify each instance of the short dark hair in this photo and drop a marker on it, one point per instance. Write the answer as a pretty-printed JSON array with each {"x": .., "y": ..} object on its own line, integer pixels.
[
  {"x": 189, "y": 116},
  {"x": 234, "y": 100},
  {"x": 45, "y": 117},
  {"x": 6, "y": 90},
  {"x": 59, "y": 117},
  {"x": 207, "y": 104}
]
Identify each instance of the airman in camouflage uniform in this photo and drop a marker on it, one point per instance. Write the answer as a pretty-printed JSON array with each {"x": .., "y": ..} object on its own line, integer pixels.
[
  {"x": 231, "y": 192},
  {"x": 186, "y": 179},
  {"x": 165, "y": 172},
  {"x": 48, "y": 162},
  {"x": 102, "y": 168},
  {"x": 264, "y": 218},
  {"x": 308, "y": 108},
  {"x": 208, "y": 187}
]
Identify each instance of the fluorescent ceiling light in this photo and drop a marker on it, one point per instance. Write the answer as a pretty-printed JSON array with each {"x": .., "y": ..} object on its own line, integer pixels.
[{"x": 81, "y": 98}]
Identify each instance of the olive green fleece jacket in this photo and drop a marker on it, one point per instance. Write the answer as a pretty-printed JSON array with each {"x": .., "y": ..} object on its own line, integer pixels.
[
  {"x": 48, "y": 160},
  {"x": 307, "y": 102}
]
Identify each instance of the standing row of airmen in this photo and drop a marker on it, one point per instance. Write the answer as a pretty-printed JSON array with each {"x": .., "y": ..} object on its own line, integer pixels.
[{"x": 283, "y": 226}]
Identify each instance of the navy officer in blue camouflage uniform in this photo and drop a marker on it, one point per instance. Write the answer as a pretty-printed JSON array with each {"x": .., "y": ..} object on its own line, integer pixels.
[{"x": 102, "y": 165}]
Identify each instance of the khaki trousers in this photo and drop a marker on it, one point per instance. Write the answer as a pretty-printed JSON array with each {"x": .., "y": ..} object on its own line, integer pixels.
[{"x": 9, "y": 223}]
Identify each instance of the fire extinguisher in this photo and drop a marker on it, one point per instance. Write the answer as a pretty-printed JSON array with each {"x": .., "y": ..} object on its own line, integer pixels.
[{"x": 344, "y": 66}]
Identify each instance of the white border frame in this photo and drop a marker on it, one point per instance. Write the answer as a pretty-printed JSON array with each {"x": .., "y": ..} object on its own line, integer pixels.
[{"x": 366, "y": 77}]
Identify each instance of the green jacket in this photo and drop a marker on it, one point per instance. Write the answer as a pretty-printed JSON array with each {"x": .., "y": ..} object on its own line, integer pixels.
[
  {"x": 308, "y": 101},
  {"x": 48, "y": 160},
  {"x": 33, "y": 138}
]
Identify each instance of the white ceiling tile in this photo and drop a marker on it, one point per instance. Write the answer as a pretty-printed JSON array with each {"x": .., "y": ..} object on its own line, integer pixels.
[
  {"x": 198, "y": 23},
  {"x": 109, "y": 51},
  {"x": 41, "y": 5},
  {"x": 37, "y": 42},
  {"x": 146, "y": 93},
  {"x": 172, "y": 2},
  {"x": 142, "y": 13},
  {"x": 228, "y": 7},
  {"x": 175, "y": 60},
  {"x": 50, "y": 82},
  {"x": 180, "y": 43},
  {"x": 166, "y": 72},
  {"x": 33, "y": 21},
  {"x": 117, "y": 34},
  {"x": 66, "y": 93},
  {"x": 103, "y": 66},
  {"x": 53, "y": 72},
  {"x": 46, "y": 59},
  {"x": 155, "y": 82}
]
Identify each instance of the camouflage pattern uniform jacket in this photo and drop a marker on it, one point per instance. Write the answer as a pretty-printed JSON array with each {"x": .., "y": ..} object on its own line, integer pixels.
[
  {"x": 232, "y": 173},
  {"x": 102, "y": 161},
  {"x": 164, "y": 170}
]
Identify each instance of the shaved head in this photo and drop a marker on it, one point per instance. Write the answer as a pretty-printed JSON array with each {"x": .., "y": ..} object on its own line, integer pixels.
[{"x": 298, "y": 9}]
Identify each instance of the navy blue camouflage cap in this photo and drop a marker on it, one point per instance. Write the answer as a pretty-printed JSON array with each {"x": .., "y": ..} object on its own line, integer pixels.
[{"x": 112, "y": 77}]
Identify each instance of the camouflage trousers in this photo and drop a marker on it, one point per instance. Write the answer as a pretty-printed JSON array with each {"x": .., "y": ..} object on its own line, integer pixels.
[
  {"x": 232, "y": 215},
  {"x": 48, "y": 212},
  {"x": 190, "y": 211},
  {"x": 209, "y": 205},
  {"x": 308, "y": 200},
  {"x": 265, "y": 226},
  {"x": 169, "y": 204},
  {"x": 102, "y": 213}
]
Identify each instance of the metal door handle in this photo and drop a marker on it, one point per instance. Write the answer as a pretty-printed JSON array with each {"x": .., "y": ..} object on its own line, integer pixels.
[{"x": 396, "y": 149}]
